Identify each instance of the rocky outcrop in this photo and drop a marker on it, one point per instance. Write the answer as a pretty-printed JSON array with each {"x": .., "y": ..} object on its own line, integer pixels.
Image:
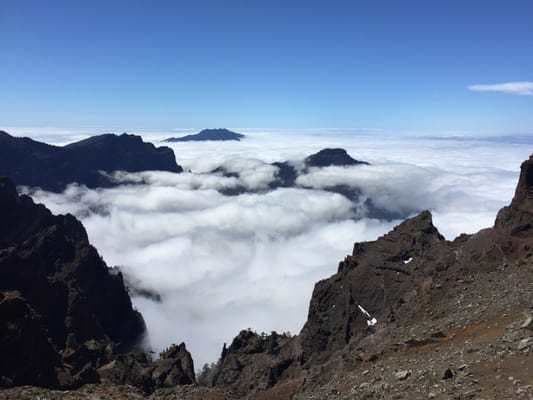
[
  {"x": 36, "y": 164},
  {"x": 518, "y": 216},
  {"x": 254, "y": 362},
  {"x": 220, "y": 134},
  {"x": 62, "y": 308},
  {"x": 372, "y": 284},
  {"x": 174, "y": 367}
]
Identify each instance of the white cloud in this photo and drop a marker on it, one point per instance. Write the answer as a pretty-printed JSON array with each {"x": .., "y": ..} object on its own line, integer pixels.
[
  {"x": 524, "y": 88},
  {"x": 226, "y": 263}
]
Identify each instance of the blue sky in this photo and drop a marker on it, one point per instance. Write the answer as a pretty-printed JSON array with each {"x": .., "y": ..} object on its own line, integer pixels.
[{"x": 399, "y": 66}]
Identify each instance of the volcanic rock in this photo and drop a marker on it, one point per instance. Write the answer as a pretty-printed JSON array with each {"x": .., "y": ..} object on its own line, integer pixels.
[
  {"x": 174, "y": 367},
  {"x": 255, "y": 362},
  {"x": 518, "y": 216},
  {"x": 374, "y": 278},
  {"x": 66, "y": 296},
  {"x": 28, "y": 356}
]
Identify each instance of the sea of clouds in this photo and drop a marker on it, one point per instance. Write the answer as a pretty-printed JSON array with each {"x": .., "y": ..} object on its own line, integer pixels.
[{"x": 226, "y": 263}]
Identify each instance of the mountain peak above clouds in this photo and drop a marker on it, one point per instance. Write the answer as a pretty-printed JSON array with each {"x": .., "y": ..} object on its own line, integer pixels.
[
  {"x": 36, "y": 164},
  {"x": 218, "y": 134},
  {"x": 332, "y": 157}
]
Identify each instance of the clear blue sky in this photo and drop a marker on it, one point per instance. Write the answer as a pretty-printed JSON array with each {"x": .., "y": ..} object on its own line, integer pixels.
[{"x": 392, "y": 65}]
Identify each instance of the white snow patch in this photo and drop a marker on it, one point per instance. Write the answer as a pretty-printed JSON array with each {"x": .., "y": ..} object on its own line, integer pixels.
[{"x": 371, "y": 321}]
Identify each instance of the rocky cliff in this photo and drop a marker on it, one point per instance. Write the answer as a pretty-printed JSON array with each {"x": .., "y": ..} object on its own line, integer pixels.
[
  {"x": 32, "y": 163},
  {"x": 64, "y": 315},
  {"x": 53, "y": 280}
]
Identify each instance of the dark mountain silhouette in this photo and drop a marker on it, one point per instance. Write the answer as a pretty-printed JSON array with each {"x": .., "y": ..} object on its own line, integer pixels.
[
  {"x": 36, "y": 164},
  {"x": 332, "y": 157},
  {"x": 54, "y": 281},
  {"x": 64, "y": 314},
  {"x": 287, "y": 172},
  {"x": 220, "y": 134}
]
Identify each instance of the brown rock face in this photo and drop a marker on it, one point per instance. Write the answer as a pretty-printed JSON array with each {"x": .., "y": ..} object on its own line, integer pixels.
[
  {"x": 370, "y": 284},
  {"x": 393, "y": 277},
  {"x": 66, "y": 295},
  {"x": 174, "y": 367},
  {"x": 518, "y": 217},
  {"x": 255, "y": 362}
]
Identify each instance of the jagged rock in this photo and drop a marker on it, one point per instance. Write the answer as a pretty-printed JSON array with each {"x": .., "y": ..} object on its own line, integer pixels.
[
  {"x": 255, "y": 362},
  {"x": 375, "y": 278},
  {"x": 174, "y": 367},
  {"x": 32, "y": 163},
  {"x": 66, "y": 295},
  {"x": 517, "y": 218},
  {"x": 402, "y": 375}
]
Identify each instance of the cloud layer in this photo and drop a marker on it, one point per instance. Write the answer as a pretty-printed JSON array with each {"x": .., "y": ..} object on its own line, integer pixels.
[
  {"x": 524, "y": 88},
  {"x": 225, "y": 263}
]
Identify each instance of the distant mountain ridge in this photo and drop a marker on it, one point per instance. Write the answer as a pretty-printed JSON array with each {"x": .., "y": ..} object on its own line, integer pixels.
[
  {"x": 330, "y": 157},
  {"x": 219, "y": 134},
  {"x": 32, "y": 163}
]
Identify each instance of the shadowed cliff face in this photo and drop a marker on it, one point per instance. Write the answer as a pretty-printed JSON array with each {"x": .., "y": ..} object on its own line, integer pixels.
[
  {"x": 391, "y": 278},
  {"x": 518, "y": 216},
  {"x": 371, "y": 283},
  {"x": 57, "y": 296},
  {"x": 31, "y": 163}
]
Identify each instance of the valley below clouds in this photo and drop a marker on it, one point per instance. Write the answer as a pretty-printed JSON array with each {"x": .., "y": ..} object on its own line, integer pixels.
[{"x": 221, "y": 263}]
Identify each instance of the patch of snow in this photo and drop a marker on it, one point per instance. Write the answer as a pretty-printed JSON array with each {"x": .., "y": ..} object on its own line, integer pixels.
[
  {"x": 370, "y": 321},
  {"x": 408, "y": 260}
]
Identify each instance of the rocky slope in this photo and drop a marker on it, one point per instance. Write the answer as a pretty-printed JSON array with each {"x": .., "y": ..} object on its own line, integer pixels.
[
  {"x": 407, "y": 316},
  {"x": 65, "y": 317},
  {"x": 36, "y": 164},
  {"x": 220, "y": 134},
  {"x": 394, "y": 301}
]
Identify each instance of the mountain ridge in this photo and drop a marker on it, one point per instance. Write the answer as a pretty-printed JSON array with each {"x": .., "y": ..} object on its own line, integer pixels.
[
  {"x": 218, "y": 134},
  {"x": 36, "y": 164}
]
